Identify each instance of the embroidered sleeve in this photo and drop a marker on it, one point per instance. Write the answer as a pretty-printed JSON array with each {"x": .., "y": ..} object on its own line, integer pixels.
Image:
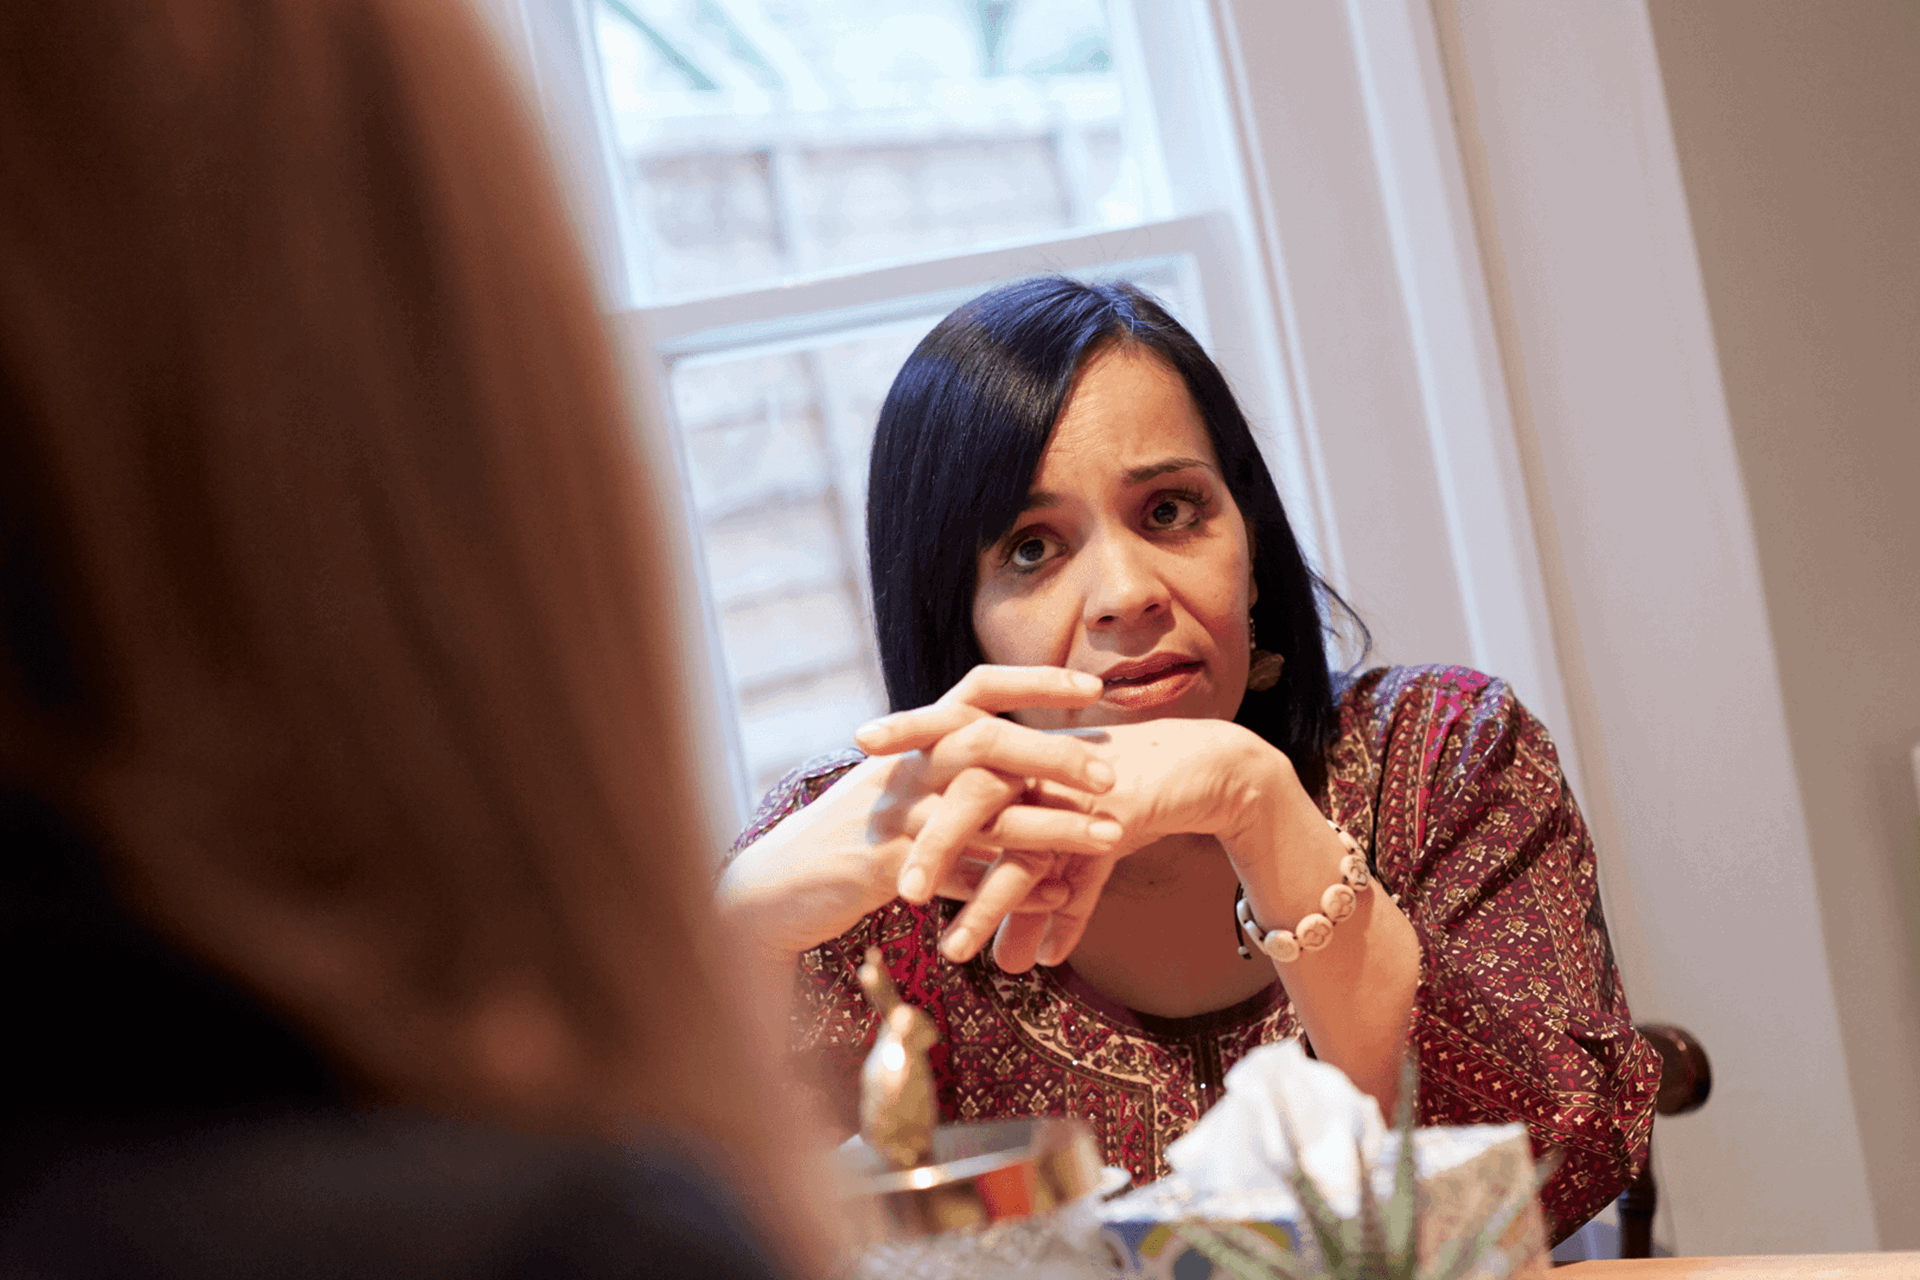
[
  {"x": 832, "y": 1026},
  {"x": 794, "y": 792},
  {"x": 1519, "y": 1014}
]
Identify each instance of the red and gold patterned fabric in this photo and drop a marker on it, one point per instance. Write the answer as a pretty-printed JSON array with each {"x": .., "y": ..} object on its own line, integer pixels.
[{"x": 1456, "y": 792}]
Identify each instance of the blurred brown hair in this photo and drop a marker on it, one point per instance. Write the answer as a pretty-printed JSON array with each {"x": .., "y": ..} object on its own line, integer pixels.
[{"x": 334, "y": 604}]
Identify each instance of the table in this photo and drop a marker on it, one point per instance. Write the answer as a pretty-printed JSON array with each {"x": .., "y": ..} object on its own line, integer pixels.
[{"x": 1802, "y": 1266}]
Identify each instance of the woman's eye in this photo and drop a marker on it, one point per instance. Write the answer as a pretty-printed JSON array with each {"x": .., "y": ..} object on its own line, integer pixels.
[
  {"x": 1171, "y": 513},
  {"x": 1027, "y": 553}
]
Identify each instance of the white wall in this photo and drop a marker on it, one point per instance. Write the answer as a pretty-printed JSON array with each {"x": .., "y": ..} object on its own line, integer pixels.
[
  {"x": 1660, "y": 619},
  {"x": 1506, "y": 375},
  {"x": 1798, "y": 134},
  {"x": 1368, "y": 247},
  {"x": 1357, "y": 398}
]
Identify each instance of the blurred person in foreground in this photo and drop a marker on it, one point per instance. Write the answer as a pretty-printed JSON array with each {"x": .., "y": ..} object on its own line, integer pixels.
[{"x": 351, "y": 880}]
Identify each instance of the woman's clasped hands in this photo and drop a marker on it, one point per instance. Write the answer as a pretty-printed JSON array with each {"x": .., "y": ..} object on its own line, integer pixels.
[{"x": 1023, "y": 825}]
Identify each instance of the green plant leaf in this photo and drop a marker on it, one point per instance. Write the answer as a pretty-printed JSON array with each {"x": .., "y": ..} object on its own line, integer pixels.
[
  {"x": 1403, "y": 1210},
  {"x": 1369, "y": 1238},
  {"x": 1460, "y": 1256},
  {"x": 1244, "y": 1253},
  {"x": 1328, "y": 1226}
]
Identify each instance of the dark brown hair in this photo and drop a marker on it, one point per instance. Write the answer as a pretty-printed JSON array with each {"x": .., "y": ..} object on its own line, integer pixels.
[
  {"x": 331, "y": 600},
  {"x": 962, "y": 431}
]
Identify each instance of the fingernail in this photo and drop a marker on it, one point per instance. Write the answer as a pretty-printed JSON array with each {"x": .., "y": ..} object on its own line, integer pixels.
[
  {"x": 1049, "y": 953},
  {"x": 1086, "y": 682},
  {"x": 1106, "y": 831},
  {"x": 913, "y": 884},
  {"x": 957, "y": 945},
  {"x": 870, "y": 729},
  {"x": 1099, "y": 773}
]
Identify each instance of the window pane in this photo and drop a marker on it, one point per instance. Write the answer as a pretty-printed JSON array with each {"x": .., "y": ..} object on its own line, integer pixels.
[
  {"x": 776, "y": 443},
  {"x": 762, "y": 139},
  {"x": 776, "y": 438}
]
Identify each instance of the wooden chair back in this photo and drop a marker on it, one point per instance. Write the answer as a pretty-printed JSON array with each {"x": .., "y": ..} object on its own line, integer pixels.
[{"x": 1686, "y": 1078}]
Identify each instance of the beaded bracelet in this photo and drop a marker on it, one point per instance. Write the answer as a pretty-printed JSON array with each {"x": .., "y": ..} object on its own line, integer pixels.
[{"x": 1316, "y": 929}]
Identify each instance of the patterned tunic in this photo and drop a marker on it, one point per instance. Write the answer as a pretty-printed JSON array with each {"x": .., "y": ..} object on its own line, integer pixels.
[{"x": 1457, "y": 793}]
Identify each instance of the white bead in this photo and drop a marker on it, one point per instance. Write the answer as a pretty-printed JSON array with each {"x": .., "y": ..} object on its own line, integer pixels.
[
  {"x": 1282, "y": 946},
  {"x": 1338, "y": 902},
  {"x": 1313, "y": 932},
  {"x": 1353, "y": 870}
]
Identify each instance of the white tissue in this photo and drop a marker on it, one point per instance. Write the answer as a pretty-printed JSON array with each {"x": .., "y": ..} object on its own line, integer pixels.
[{"x": 1239, "y": 1146}]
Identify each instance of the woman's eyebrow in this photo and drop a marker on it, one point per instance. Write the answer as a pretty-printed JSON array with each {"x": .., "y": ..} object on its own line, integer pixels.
[
  {"x": 1140, "y": 475},
  {"x": 1040, "y": 499}
]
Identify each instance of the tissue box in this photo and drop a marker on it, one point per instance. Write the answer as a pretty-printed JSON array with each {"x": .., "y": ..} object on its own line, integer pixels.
[{"x": 1467, "y": 1177}]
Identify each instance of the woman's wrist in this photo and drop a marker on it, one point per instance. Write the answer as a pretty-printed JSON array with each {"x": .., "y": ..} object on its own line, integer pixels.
[
  {"x": 1353, "y": 993},
  {"x": 1282, "y": 847},
  {"x": 1270, "y": 810},
  {"x": 771, "y": 899},
  {"x": 742, "y": 907}
]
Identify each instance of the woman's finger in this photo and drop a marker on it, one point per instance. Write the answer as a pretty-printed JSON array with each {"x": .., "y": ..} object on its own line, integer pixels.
[
  {"x": 942, "y": 846},
  {"x": 1016, "y": 945},
  {"x": 963, "y": 882},
  {"x": 1007, "y": 883},
  {"x": 1047, "y": 793},
  {"x": 1006, "y": 747},
  {"x": 916, "y": 729},
  {"x": 1021, "y": 826},
  {"x": 969, "y": 802},
  {"x": 1088, "y": 876},
  {"x": 995, "y": 688},
  {"x": 983, "y": 691},
  {"x": 1063, "y": 830}
]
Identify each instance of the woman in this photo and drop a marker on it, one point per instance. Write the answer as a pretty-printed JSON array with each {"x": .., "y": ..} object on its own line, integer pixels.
[
  {"x": 345, "y": 938},
  {"x": 1070, "y": 529}
]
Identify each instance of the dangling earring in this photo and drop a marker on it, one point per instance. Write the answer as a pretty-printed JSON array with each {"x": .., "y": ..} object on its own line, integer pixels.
[{"x": 1263, "y": 669}]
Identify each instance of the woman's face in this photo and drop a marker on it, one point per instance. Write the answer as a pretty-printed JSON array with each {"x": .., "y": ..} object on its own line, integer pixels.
[{"x": 1130, "y": 560}]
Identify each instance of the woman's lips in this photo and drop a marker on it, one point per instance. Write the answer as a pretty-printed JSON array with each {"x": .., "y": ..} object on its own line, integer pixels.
[{"x": 1151, "y": 689}]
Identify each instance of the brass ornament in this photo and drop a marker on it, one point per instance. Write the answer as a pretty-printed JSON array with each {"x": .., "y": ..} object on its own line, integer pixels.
[
  {"x": 1264, "y": 671},
  {"x": 919, "y": 1179},
  {"x": 1263, "y": 665},
  {"x": 897, "y": 1109}
]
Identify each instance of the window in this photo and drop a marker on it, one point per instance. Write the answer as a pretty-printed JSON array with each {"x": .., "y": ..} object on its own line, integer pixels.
[
  {"x": 761, "y": 139},
  {"x": 792, "y": 192}
]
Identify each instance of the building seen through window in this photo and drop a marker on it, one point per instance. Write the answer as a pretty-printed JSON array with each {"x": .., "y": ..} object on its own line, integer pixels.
[{"x": 759, "y": 139}]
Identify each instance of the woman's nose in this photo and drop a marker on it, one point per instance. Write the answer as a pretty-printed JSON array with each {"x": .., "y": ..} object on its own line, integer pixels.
[{"x": 1125, "y": 586}]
